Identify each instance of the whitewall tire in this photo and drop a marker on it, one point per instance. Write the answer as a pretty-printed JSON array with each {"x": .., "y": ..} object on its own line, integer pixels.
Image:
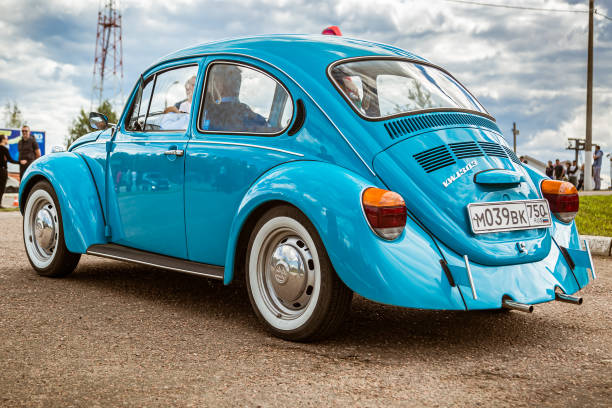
[
  {"x": 292, "y": 285},
  {"x": 43, "y": 233}
]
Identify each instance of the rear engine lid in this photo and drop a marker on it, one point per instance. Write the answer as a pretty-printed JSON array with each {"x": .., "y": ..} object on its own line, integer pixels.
[{"x": 434, "y": 172}]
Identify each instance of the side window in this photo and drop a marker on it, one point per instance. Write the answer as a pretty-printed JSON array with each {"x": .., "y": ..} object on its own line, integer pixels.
[
  {"x": 239, "y": 99},
  {"x": 171, "y": 101},
  {"x": 139, "y": 110}
]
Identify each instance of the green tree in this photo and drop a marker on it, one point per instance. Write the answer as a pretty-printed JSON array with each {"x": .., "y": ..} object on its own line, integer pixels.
[
  {"x": 12, "y": 115},
  {"x": 80, "y": 125}
]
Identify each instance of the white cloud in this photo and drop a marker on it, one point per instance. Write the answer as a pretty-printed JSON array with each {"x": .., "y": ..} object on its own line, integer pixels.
[
  {"x": 527, "y": 67},
  {"x": 551, "y": 142}
]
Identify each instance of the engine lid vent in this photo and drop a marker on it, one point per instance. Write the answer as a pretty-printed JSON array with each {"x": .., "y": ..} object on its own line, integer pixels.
[
  {"x": 512, "y": 155},
  {"x": 492, "y": 149},
  {"x": 412, "y": 124},
  {"x": 435, "y": 158},
  {"x": 466, "y": 149}
]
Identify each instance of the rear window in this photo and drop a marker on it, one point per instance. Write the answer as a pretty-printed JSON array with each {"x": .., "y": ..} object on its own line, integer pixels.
[{"x": 382, "y": 88}]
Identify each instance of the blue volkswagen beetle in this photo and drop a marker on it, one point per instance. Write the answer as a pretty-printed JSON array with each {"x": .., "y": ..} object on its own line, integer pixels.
[{"x": 312, "y": 167}]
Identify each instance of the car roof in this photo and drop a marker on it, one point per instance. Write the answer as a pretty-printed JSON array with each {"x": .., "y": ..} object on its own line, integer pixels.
[{"x": 293, "y": 50}]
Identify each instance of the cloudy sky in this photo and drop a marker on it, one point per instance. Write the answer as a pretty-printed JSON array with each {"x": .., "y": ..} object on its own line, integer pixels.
[{"x": 526, "y": 67}]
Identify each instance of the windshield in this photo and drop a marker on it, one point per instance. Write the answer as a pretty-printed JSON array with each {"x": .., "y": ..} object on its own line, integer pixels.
[{"x": 380, "y": 88}]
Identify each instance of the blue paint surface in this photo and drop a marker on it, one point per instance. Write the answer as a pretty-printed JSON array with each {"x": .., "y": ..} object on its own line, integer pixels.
[{"x": 195, "y": 206}]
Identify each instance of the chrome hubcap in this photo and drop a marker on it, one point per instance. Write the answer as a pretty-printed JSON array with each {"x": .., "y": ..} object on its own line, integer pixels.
[
  {"x": 285, "y": 274},
  {"x": 42, "y": 231}
]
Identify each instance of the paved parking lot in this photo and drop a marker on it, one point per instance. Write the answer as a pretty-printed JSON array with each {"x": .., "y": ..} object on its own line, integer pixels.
[{"x": 117, "y": 334}]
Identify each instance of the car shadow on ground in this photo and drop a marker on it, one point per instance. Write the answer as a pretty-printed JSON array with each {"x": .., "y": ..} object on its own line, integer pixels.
[{"x": 369, "y": 324}]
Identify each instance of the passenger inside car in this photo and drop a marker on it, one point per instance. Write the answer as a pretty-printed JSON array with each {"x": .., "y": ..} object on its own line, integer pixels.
[{"x": 223, "y": 110}]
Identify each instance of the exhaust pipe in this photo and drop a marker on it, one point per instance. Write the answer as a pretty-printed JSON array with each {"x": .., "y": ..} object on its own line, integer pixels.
[
  {"x": 522, "y": 307},
  {"x": 562, "y": 297}
]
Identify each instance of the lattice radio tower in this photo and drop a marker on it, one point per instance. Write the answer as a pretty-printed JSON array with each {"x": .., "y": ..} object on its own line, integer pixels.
[{"x": 108, "y": 60}]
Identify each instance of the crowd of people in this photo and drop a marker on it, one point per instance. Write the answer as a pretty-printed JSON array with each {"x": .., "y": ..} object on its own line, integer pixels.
[{"x": 569, "y": 171}]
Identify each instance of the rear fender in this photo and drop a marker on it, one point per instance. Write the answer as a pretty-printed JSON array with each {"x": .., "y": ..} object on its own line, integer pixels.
[
  {"x": 566, "y": 235},
  {"x": 405, "y": 272},
  {"x": 71, "y": 179}
]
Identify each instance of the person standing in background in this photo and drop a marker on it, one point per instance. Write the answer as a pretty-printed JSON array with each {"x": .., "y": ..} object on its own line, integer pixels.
[
  {"x": 559, "y": 170},
  {"x": 5, "y": 158},
  {"x": 580, "y": 179},
  {"x": 28, "y": 150},
  {"x": 550, "y": 170},
  {"x": 597, "y": 159},
  {"x": 610, "y": 157},
  {"x": 571, "y": 173}
]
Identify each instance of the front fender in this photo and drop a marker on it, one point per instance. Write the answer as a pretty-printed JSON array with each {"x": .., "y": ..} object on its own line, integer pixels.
[
  {"x": 83, "y": 221},
  {"x": 405, "y": 272}
]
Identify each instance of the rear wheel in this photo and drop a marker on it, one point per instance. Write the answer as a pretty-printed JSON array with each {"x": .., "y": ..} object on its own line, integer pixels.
[
  {"x": 292, "y": 285},
  {"x": 43, "y": 233}
]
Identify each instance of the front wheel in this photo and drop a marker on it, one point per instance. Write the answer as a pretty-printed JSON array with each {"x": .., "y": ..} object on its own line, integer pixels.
[
  {"x": 43, "y": 233},
  {"x": 292, "y": 285}
]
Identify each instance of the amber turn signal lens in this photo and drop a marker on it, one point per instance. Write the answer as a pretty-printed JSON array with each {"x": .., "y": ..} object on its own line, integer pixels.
[
  {"x": 385, "y": 211},
  {"x": 558, "y": 187},
  {"x": 562, "y": 198}
]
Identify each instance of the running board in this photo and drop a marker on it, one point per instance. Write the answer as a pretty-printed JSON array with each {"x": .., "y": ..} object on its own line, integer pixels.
[{"x": 123, "y": 253}]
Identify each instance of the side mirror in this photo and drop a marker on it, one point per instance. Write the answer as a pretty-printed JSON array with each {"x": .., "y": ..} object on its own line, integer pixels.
[{"x": 98, "y": 121}]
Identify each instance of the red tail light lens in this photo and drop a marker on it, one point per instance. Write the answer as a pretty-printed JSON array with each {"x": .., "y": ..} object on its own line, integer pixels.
[
  {"x": 562, "y": 198},
  {"x": 385, "y": 211}
]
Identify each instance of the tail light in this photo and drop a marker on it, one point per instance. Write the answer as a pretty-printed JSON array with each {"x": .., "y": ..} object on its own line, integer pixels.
[
  {"x": 562, "y": 198},
  {"x": 385, "y": 211}
]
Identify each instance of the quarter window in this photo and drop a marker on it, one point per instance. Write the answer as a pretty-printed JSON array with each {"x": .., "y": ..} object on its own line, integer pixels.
[
  {"x": 141, "y": 104},
  {"x": 239, "y": 99}
]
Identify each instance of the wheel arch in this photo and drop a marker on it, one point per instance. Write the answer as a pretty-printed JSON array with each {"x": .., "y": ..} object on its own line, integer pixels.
[
  {"x": 79, "y": 201},
  {"x": 244, "y": 234},
  {"x": 25, "y": 190}
]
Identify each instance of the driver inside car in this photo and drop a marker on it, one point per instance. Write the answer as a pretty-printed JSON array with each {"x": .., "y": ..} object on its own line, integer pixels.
[{"x": 184, "y": 106}]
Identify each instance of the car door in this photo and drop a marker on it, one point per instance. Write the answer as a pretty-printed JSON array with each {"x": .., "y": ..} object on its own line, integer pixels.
[
  {"x": 241, "y": 132},
  {"x": 147, "y": 168}
]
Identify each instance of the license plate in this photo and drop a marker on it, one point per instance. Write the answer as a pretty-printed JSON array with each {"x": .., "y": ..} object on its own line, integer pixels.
[{"x": 509, "y": 216}]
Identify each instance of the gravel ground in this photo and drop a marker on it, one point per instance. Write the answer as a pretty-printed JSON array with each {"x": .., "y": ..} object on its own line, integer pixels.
[{"x": 117, "y": 334}]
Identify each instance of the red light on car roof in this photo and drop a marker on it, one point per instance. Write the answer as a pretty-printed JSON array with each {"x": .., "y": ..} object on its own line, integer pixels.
[{"x": 332, "y": 30}]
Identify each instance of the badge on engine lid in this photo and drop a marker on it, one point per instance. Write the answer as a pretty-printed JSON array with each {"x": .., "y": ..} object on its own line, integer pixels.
[{"x": 459, "y": 173}]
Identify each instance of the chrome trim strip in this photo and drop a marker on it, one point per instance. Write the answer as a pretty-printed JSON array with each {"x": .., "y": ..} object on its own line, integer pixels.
[
  {"x": 588, "y": 249},
  {"x": 143, "y": 141},
  {"x": 469, "y": 274},
  {"x": 246, "y": 145},
  {"x": 119, "y": 258},
  {"x": 203, "y": 142}
]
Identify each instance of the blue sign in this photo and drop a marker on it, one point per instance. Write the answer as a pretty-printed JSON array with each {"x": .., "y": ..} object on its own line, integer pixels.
[{"x": 14, "y": 136}]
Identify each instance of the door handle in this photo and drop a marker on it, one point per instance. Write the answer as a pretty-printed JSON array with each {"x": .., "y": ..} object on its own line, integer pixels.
[{"x": 174, "y": 152}]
